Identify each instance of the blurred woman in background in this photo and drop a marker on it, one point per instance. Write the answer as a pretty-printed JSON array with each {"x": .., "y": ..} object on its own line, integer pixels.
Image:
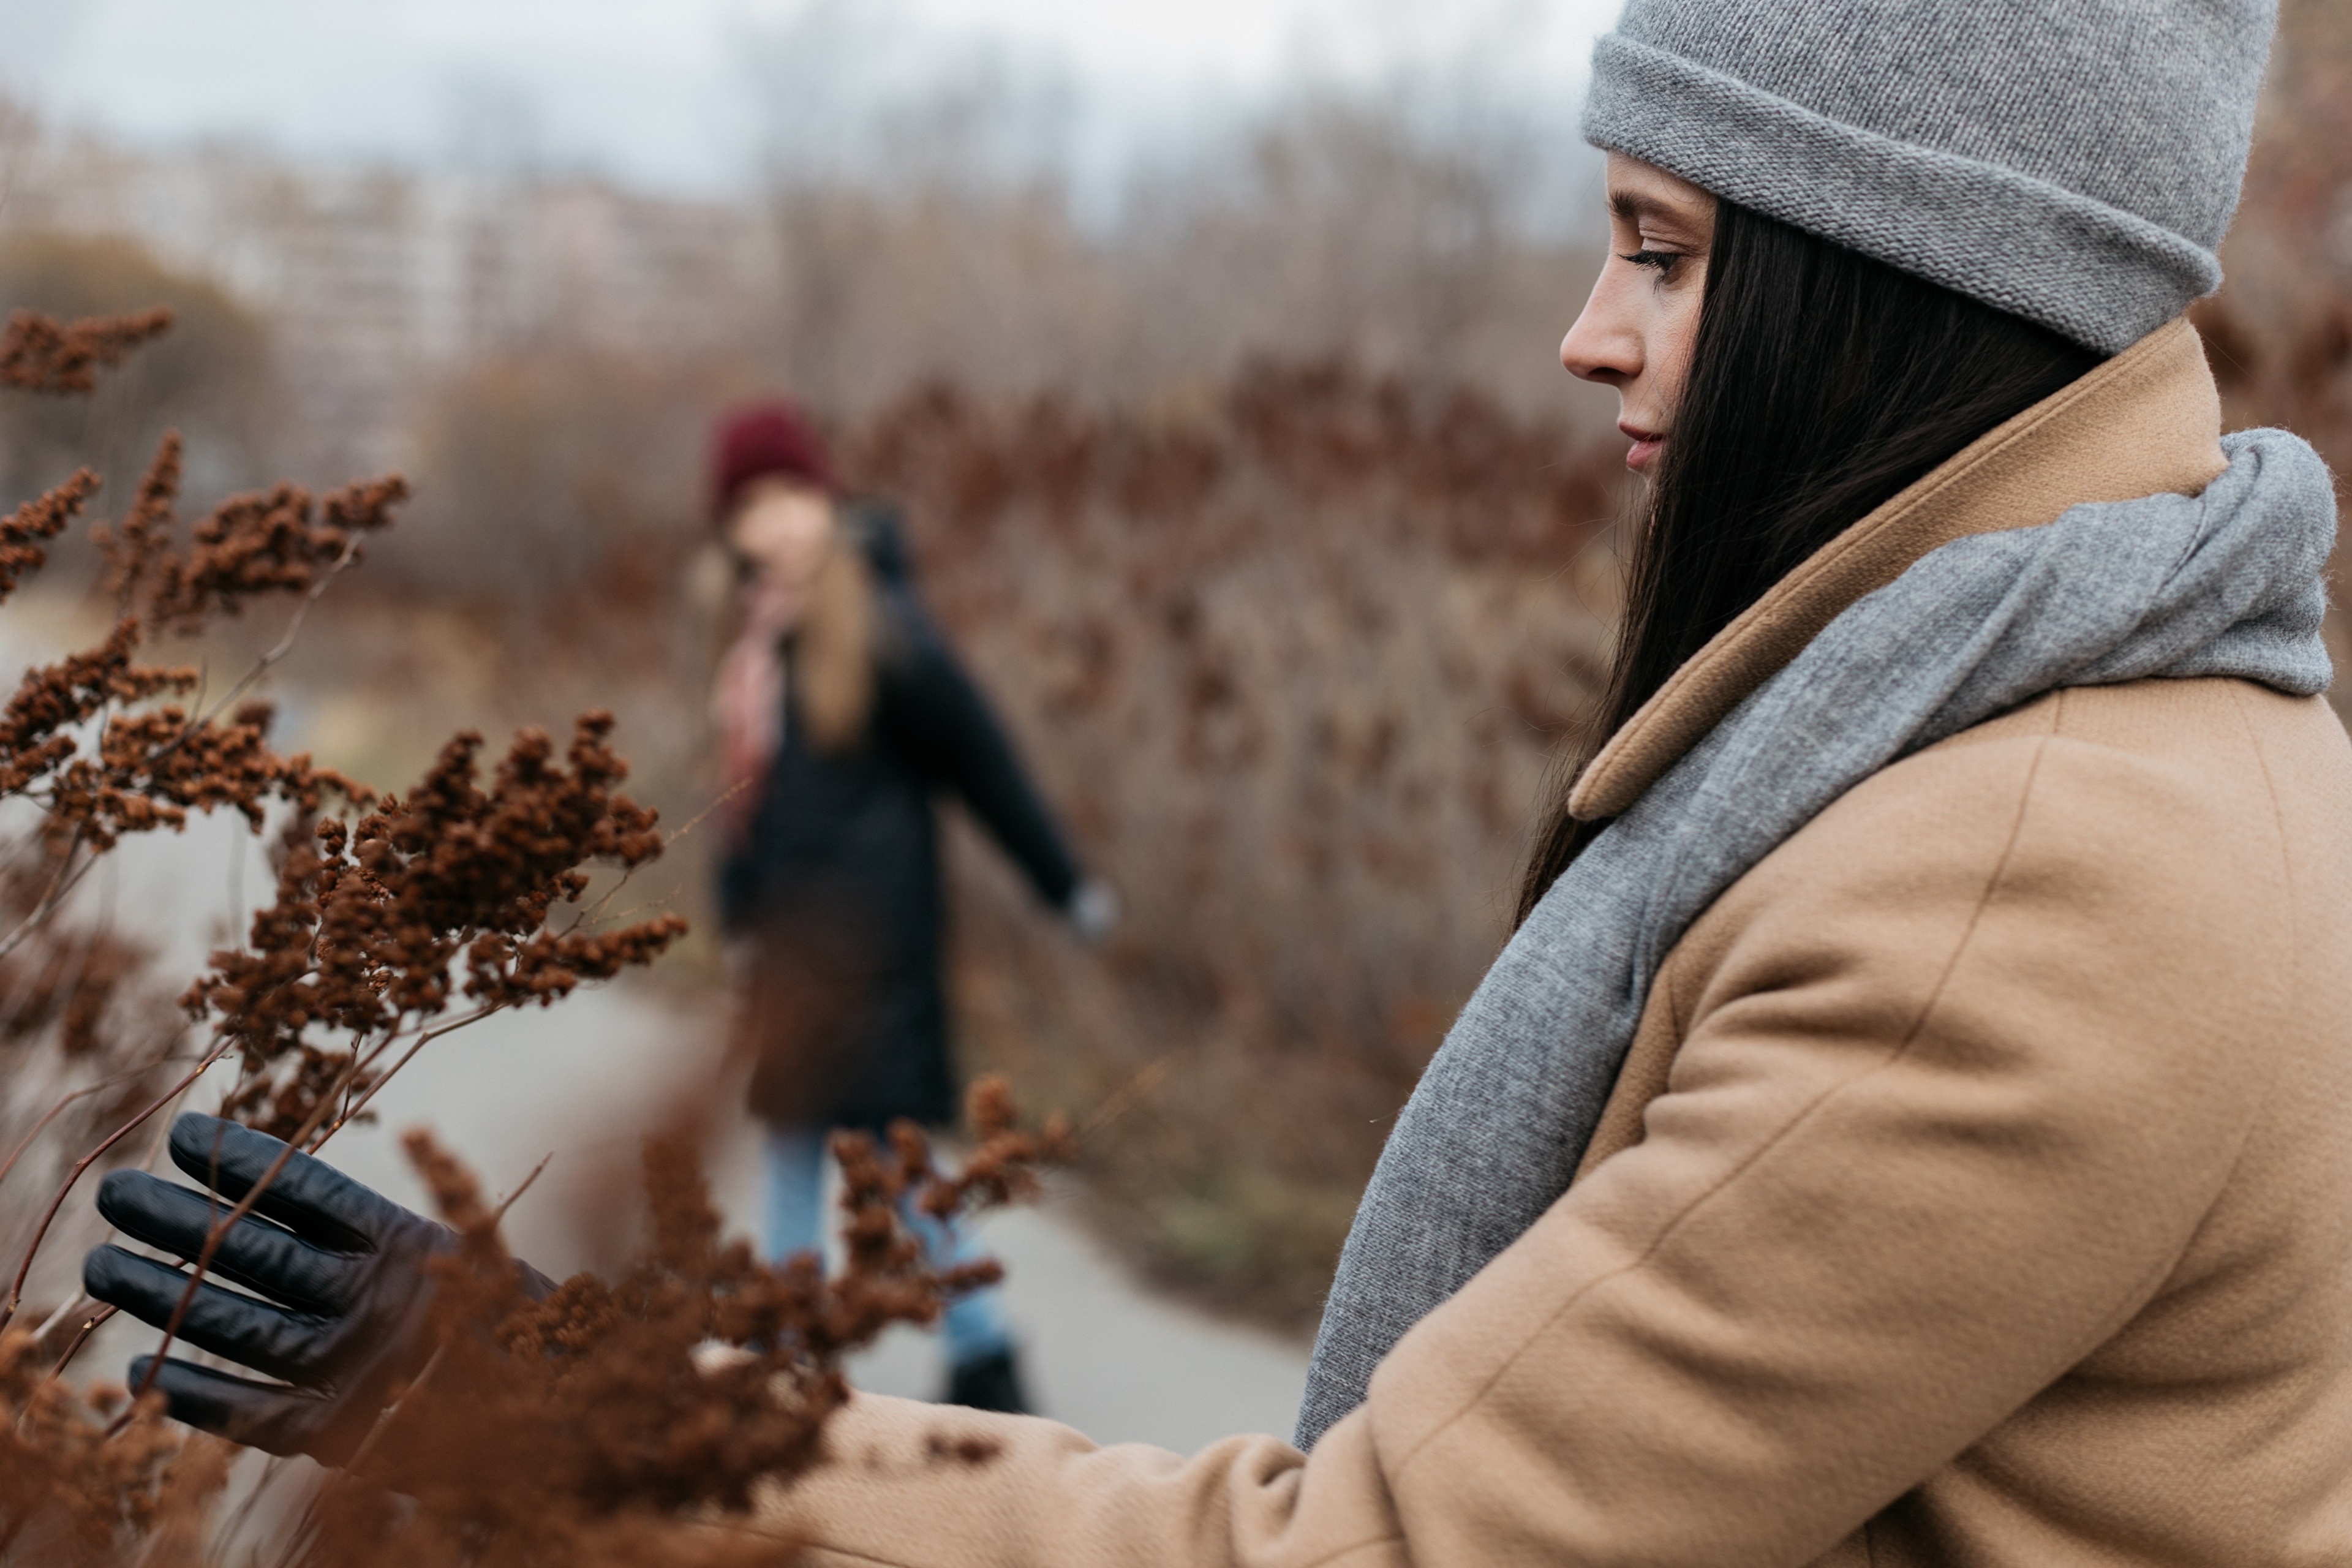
[{"x": 841, "y": 713}]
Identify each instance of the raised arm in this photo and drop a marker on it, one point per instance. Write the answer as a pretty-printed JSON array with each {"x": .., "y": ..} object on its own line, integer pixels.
[{"x": 932, "y": 713}]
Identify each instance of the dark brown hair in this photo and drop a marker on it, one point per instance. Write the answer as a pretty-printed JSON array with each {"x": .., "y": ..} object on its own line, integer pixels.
[{"x": 1822, "y": 383}]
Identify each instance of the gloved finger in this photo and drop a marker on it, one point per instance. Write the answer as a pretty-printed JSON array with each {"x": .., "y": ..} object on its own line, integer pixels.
[
  {"x": 268, "y": 1416},
  {"x": 269, "y": 1339},
  {"x": 254, "y": 1253},
  {"x": 308, "y": 1196}
]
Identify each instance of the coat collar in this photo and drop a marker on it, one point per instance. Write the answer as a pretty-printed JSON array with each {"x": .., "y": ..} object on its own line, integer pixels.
[{"x": 2146, "y": 421}]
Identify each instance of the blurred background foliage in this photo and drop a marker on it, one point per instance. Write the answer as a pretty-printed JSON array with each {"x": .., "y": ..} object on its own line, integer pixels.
[
  {"x": 1252, "y": 489},
  {"x": 212, "y": 377}
]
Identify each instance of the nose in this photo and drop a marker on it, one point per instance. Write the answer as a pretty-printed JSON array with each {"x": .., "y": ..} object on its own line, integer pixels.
[{"x": 1603, "y": 345}]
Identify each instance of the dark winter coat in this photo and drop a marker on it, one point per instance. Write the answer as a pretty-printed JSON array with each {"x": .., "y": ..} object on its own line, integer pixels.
[{"x": 835, "y": 882}]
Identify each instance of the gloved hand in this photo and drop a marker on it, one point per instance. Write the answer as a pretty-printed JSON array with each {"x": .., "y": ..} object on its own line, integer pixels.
[{"x": 340, "y": 1266}]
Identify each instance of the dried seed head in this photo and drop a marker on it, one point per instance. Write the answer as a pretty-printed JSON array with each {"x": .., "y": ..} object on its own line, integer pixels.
[{"x": 40, "y": 354}]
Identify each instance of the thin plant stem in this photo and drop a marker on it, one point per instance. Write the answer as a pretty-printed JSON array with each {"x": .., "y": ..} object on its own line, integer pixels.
[
  {"x": 523, "y": 1186},
  {"x": 633, "y": 912},
  {"x": 408, "y": 1055},
  {"x": 64, "y": 1310},
  {"x": 691, "y": 823},
  {"x": 60, "y": 887},
  {"x": 262, "y": 666},
  {"x": 40, "y": 1233},
  {"x": 597, "y": 910},
  {"x": 80, "y": 1338},
  {"x": 55, "y": 1110},
  {"x": 234, "y": 1524},
  {"x": 1123, "y": 1100}
]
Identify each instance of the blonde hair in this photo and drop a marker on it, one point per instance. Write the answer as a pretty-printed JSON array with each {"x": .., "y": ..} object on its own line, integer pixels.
[{"x": 832, "y": 667}]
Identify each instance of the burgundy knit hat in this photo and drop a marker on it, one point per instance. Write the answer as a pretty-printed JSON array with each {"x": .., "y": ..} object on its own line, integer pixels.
[{"x": 764, "y": 439}]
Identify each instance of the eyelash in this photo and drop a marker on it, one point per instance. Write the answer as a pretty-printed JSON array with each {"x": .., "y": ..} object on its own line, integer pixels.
[{"x": 1664, "y": 260}]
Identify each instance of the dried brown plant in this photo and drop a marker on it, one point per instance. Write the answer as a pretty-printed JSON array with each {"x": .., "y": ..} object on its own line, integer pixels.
[
  {"x": 633, "y": 1421},
  {"x": 40, "y": 354},
  {"x": 25, "y": 533},
  {"x": 277, "y": 541},
  {"x": 95, "y": 746},
  {"x": 77, "y": 1482},
  {"x": 132, "y": 548},
  {"x": 623, "y": 1424},
  {"x": 372, "y": 918}
]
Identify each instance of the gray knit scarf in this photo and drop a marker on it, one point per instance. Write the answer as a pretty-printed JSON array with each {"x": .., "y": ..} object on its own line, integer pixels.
[{"x": 2226, "y": 584}]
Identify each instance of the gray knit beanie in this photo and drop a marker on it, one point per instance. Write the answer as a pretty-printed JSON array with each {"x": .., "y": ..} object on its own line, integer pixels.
[{"x": 2073, "y": 161}]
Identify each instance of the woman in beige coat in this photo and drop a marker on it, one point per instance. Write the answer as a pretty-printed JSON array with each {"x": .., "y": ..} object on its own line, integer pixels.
[{"x": 1908, "y": 1125}]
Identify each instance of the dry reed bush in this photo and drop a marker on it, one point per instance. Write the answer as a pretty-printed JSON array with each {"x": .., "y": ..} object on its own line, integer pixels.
[
  {"x": 40, "y": 354},
  {"x": 635, "y": 1421},
  {"x": 372, "y": 917},
  {"x": 25, "y": 534},
  {"x": 80, "y": 1475},
  {"x": 591, "y": 462},
  {"x": 92, "y": 749},
  {"x": 593, "y": 466}
]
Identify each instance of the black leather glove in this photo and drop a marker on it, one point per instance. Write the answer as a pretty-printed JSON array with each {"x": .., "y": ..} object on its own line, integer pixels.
[{"x": 340, "y": 1269}]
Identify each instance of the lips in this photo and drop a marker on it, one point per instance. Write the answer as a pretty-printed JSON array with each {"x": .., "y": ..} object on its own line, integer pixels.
[{"x": 1647, "y": 445}]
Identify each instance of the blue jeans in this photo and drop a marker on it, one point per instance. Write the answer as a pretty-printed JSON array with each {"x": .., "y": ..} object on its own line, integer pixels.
[{"x": 796, "y": 1161}]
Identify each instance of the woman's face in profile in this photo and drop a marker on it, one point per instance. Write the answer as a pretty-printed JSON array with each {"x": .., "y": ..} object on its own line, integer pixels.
[
  {"x": 781, "y": 531},
  {"x": 1637, "y": 328}
]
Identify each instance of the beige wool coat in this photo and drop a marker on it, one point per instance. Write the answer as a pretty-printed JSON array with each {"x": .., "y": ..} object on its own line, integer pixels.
[{"x": 1977, "y": 1190}]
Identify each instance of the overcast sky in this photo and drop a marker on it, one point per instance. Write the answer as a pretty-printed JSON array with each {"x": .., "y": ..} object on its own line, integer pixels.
[{"x": 670, "y": 93}]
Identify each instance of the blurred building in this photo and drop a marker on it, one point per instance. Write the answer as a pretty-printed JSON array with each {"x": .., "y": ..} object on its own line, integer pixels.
[{"x": 375, "y": 281}]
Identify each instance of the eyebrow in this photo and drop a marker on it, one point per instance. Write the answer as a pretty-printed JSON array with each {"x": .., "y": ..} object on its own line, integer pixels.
[{"x": 1634, "y": 206}]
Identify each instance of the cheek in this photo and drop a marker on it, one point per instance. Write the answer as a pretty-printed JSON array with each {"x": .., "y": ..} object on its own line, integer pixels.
[{"x": 1673, "y": 336}]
